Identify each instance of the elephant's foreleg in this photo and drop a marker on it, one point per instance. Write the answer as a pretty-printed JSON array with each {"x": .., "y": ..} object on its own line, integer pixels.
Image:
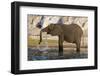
[{"x": 60, "y": 46}]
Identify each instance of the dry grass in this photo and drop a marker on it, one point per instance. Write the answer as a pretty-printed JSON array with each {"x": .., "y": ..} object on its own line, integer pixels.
[
  {"x": 34, "y": 42},
  {"x": 52, "y": 43}
]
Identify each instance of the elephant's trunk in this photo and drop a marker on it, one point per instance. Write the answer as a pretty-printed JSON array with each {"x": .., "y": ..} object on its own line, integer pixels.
[
  {"x": 40, "y": 37},
  {"x": 43, "y": 30}
]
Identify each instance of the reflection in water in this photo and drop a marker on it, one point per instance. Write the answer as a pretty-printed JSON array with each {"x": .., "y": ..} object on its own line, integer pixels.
[{"x": 52, "y": 54}]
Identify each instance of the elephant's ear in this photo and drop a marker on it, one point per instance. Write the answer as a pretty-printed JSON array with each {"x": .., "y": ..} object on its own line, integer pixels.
[
  {"x": 51, "y": 27},
  {"x": 59, "y": 29},
  {"x": 56, "y": 29}
]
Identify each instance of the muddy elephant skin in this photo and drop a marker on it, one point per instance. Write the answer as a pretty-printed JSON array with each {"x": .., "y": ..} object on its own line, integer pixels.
[{"x": 71, "y": 33}]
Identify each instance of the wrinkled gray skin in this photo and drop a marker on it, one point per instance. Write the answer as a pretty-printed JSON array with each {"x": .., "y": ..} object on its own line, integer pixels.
[{"x": 71, "y": 33}]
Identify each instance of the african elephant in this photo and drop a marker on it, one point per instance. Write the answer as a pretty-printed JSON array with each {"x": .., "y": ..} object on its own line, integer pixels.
[{"x": 71, "y": 33}]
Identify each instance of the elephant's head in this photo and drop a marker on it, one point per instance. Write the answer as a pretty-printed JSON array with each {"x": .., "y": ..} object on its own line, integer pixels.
[{"x": 52, "y": 29}]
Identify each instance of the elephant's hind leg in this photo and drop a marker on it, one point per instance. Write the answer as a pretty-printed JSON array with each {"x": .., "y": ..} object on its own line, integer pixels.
[
  {"x": 60, "y": 46},
  {"x": 60, "y": 50},
  {"x": 78, "y": 47}
]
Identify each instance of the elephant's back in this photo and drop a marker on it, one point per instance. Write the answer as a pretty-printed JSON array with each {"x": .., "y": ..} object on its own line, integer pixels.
[
  {"x": 73, "y": 28},
  {"x": 72, "y": 32}
]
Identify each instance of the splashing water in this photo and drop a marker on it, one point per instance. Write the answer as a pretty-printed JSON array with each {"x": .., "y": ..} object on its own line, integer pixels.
[{"x": 43, "y": 46}]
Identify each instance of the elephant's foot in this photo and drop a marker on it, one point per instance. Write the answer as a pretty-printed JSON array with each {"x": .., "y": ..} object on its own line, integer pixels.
[
  {"x": 78, "y": 51},
  {"x": 78, "y": 48},
  {"x": 60, "y": 53}
]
